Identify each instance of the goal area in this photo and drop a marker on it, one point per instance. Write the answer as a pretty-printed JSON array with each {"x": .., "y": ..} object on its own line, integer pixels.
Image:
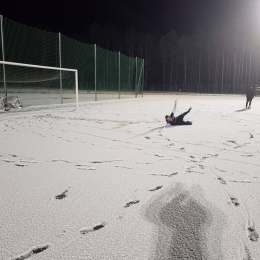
[{"x": 38, "y": 85}]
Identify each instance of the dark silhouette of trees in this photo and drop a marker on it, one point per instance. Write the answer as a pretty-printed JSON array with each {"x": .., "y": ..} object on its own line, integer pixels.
[{"x": 222, "y": 60}]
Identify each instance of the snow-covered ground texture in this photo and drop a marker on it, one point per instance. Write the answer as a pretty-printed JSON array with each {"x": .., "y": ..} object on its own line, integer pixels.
[{"x": 108, "y": 182}]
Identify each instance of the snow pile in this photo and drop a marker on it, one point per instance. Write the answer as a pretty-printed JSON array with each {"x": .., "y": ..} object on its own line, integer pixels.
[{"x": 10, "y": 102}]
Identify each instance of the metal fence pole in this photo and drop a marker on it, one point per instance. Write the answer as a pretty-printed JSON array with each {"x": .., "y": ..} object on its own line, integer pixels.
[
  {"x": 136, "y": 77},
  {"x": 61, "y": 97},
  {"x": 143, "y": 80},
  {"x": 119, "y": 75},
  {"x": 77, "y": 90},
  {"x": 95, "y": 57},
  {"x": 3, "y": 53},
  {"x": 140, "y": 77}
]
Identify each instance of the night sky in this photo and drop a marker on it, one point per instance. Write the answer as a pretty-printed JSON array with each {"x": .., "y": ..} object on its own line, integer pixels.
[{"x": 157, "y": 17}]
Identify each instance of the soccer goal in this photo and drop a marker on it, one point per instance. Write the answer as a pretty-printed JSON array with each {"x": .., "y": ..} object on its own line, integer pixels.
[{"x": 51, "y": 85}]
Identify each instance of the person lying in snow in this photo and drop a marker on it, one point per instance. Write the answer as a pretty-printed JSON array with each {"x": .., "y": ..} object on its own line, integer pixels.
[{"x": 171, "y": 120}]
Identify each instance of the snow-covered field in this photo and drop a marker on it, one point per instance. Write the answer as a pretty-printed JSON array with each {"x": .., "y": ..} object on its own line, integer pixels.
[{"x": 104, "y": 182}]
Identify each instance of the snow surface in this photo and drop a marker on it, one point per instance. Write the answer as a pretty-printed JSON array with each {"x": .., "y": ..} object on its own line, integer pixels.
[{"x": 105, "y": 182}]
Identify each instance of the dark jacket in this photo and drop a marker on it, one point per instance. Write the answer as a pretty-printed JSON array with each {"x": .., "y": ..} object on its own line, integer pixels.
[
  {"x": 250, "y": 93},
  {"x": 173, "y": 122}
]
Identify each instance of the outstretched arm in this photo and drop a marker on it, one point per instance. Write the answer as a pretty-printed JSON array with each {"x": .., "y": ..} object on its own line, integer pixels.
[
  {"x": 174, "y": 108},
  {"x": 167, "y": 125}
]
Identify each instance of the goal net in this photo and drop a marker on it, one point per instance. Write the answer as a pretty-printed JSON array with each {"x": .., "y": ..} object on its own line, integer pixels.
[{"x": 38, "y": 85}]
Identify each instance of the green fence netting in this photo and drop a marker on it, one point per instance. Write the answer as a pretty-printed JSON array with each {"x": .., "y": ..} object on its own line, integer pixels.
[{"x": 98, "y": 69}]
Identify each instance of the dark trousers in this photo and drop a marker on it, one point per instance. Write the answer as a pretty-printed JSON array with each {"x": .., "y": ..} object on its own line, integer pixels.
[
  {"x": 248, "y": 100},
  {"x": 179, "y": 119}
]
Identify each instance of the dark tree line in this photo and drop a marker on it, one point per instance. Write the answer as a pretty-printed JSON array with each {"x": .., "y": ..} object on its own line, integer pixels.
[{"x": 219, "y": 61}]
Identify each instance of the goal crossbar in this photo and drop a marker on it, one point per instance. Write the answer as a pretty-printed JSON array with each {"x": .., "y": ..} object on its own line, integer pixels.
[{"x": 50, "y": 68}]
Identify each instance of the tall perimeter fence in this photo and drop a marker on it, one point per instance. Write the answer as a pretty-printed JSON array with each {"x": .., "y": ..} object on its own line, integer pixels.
[{"x": 100, "y": 71}]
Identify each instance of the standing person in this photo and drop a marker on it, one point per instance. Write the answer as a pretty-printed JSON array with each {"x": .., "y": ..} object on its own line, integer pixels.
[
  {"x": 171, "y": 120},
  {"x": 249, "y": 96}
]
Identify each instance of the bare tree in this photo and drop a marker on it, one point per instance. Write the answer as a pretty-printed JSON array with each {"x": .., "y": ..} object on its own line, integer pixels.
[
  {"x": 95, "y": 34},
  {"x": 131, "y": 42},
  {"x": 172, "y": 45},
  {"x": 163, "y": 58}
]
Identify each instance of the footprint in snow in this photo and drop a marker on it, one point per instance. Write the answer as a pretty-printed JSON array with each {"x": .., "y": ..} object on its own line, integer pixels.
[
  {"x": 7, "y": 160},
  {"x": 253, "y": 235},
  {"x": 96, "y": 227},
  {"x": 130, "y": 203},
  {"x": 221, "y": 180},
  {"x": 13, "y": 155},
  {"x": 234, "y": 201},
  {"x": 21, "y": 165},
  {"x": 248, "y": 254},
  {"x": 33, "y": 251},
  {"x": 156, "y": 188},
  {"x": 62, "y": 195}
]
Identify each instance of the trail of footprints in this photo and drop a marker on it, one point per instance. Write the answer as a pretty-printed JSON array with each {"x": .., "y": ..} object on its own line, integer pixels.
[
  {"x": 12, "y": 158},
  {"x": 252, "y": 233}
]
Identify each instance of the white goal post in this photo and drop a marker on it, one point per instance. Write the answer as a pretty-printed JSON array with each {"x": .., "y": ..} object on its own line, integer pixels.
[{"x": 42, "y": 67}]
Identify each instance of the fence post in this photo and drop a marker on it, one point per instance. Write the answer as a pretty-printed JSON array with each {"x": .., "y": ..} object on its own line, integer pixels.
[
  {"x": 95, "y": 61},
  {"x": 61, "y": 97},
  {"x": 3, "y": 54},
  {"x": 77, "y": 90},
  {"x": 143, "y": 81},
  {"x": 119, "y": 75},
  {"x": 136, "y": 77},
  {"x": 140, "y": 77}
]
